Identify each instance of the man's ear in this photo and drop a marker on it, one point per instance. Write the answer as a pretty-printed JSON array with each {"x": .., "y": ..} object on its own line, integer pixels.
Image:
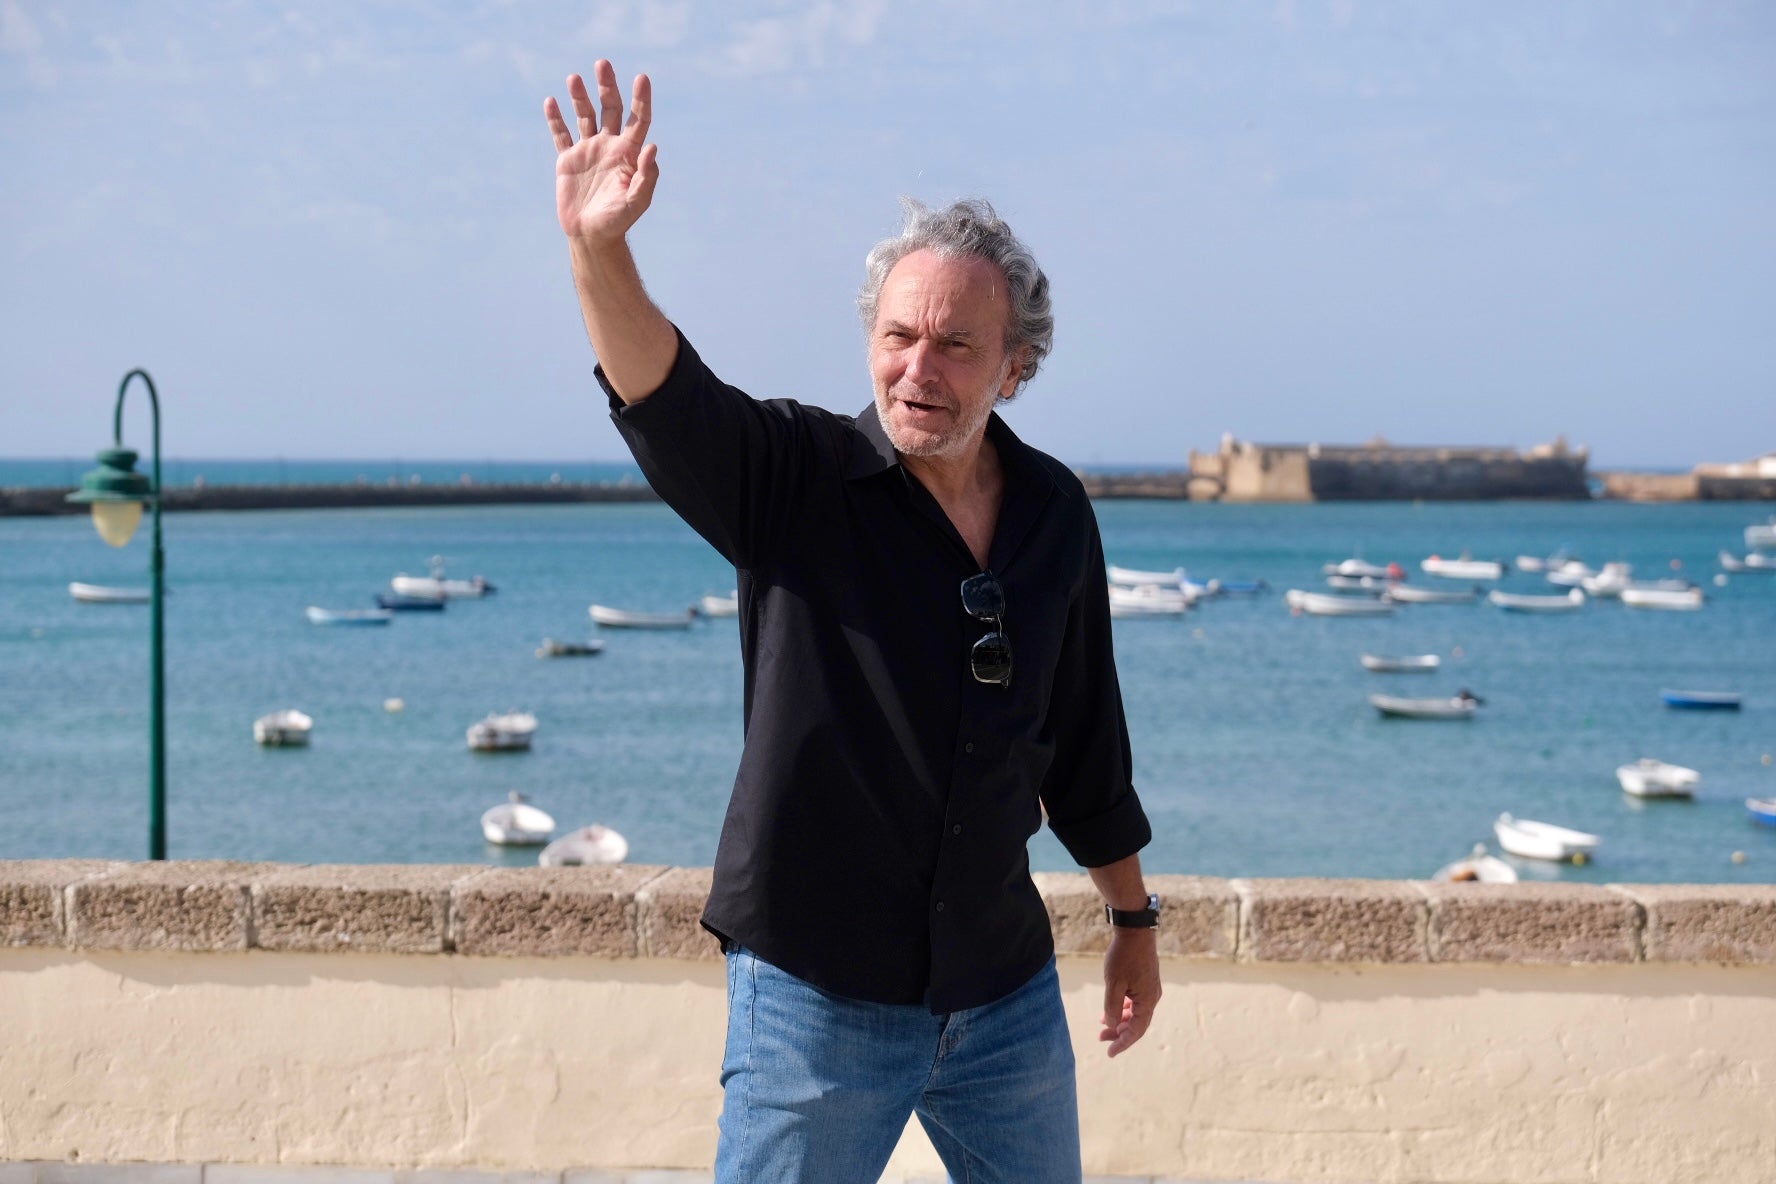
[{"x": 1014, "y": 373}]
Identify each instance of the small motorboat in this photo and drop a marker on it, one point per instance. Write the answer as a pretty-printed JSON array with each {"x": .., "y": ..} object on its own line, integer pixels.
[
  {"x": 1543, "y": 840},
  {"x": 1324, "y": 604},
  {"x": 569, "y": 649},
  {"x": 1702, "y": 700},
  {"x": 1754, "y": 562},
  {"x": 617, "y": 618},
  {"x": 437, "y": 586},
  {"x": 1359, "y": 568},
  {"x": 1375, "y": 585},
  {"x": 1607, "y": 581},
  {"x": 517, "y": 823},
  {"x": 586, "y": 846},
  {"x": 1688, "y": 600},
  {"x": 1463, "y": 568},
  {"x": 349, "y": 616},
  {"x": 720, "y": 606},
  {"x": 1407, "y": 594},
  {"x": 401, "y": 603},
  {"x": 511, "y": 732},
  {"x": 1518, "y": 602},
  {"x": 1134, "y": 577},
  {"x": 1762, "y": 810},
  {"x": 1413, "y": 664},
  {"x": 1238, "y": 587},
  {"x": 100, "y": 594},
  {"x": 1461, "y": 706},
  {"x": 1478, "y": 868},
  {"x": 1761, "y": 536},
  {"x": 1648, "y": 778},
  {"x": 1148, "y": 600},
  {"x": 1571, "y": 574},
  {"x": 283, "y": 729}
]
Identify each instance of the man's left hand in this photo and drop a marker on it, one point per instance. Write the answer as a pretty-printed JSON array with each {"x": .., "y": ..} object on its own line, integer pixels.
[{"x": 1131, "y": 986}]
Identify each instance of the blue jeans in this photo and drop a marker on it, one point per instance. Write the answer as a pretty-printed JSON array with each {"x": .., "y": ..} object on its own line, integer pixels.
[{"x": 816, "y": 1088}]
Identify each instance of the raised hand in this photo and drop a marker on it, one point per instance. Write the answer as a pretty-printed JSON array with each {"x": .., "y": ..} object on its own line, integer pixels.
[{"x": 605, "y": 182}]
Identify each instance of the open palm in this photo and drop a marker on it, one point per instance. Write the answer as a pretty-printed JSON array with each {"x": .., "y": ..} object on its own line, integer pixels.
[{"x": 606, "y": 181}]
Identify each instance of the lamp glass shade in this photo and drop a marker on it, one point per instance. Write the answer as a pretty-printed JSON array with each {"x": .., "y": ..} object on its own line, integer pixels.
[{"x": 116, "y": 521}]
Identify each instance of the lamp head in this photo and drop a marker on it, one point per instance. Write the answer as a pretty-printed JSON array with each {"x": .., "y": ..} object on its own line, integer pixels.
[{"x": 116, "y": 493}]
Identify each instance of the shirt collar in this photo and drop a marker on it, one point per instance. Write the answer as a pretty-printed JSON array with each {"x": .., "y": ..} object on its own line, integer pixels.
[{"x": 871, "y": 453}]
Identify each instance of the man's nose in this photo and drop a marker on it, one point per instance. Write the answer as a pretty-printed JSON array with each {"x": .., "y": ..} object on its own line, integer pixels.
[{"x": 921, "y": 363}]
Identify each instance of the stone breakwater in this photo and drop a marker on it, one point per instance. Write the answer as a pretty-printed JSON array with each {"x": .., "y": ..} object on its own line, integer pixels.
[
  {"x": 632, "y": 911},
  {"x": 39, "y": 501}
]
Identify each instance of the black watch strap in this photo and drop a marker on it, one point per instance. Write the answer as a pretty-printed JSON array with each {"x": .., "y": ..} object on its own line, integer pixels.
[{"x": 1147, "y": 918}]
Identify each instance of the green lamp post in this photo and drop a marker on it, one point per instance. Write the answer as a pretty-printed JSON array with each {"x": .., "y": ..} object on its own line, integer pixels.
[{"x": 117, "y": 495}]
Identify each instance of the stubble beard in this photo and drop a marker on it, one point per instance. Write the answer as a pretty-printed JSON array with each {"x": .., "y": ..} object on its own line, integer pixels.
[{"x": 958, "y": 440}]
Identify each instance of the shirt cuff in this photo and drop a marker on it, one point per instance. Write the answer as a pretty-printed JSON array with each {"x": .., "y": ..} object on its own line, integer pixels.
[
  {"x": 1104, "y": 838},
  {"x": 684, "y": 366}
]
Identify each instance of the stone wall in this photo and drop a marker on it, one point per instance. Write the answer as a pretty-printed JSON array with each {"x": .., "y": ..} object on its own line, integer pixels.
[{"x": 567, "y": 1023}]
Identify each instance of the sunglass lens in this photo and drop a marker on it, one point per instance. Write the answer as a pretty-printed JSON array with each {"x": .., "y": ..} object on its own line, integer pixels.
[
  {"x": 982, "y": 596},
  {"x": 991, "y": 659}
]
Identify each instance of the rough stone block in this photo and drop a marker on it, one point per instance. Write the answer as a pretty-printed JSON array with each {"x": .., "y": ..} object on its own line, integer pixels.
[
  {"x": 33, "y": 894},
  {"x": 1532, "y": 923},
  {"x": 1302, "y": 920},
  {"x": 668, "y": 911},
  {"x": 189, "y": 905},
  {"x": 379, "y": 908},
  {"x": 1707, "y": 922},
  {"x": 546, "y": 911},
  {"x": 1198, "y": 916}
]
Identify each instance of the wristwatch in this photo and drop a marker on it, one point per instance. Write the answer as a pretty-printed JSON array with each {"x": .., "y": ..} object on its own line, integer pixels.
[{"x": 1147, "y": 918}]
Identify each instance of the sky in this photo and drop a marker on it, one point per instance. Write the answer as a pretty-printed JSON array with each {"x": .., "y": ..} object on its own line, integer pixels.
[{"x": 327, "y": 229}]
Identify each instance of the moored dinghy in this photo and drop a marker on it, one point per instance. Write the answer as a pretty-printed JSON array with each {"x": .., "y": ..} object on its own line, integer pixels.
[
  {"x": 1407, "y": 594},
  {"x": 720, "y": 606},
  {"x": 1762, "y": 810},
  {"x": 100, "y": 594},
  {"x": 1133, "y": 577},
  {"x": 1478, "y": 868},
  {"x": 1463, "y": 568},
  {"x": 1322, "y": 604},
  {"x": 1148, "y": 600},
  {"x": 1702, "y": 700},
  {"x": 1543, "y": 840},
  {"x": 349, "y": 616},
  {"x": 1517, "y": 602},
  {"x": 1461, "y": 706},
  {"x": 1648, "y": 778},
  {"x": 586, "y": 846},
  {"x": 283, "y": 729},
  {"x": 569, "y": 649},
  {"x": 511, "y": 732},
  {"x": 1688, "y": 600},
  {"x": 517, "y": 823},
  {"x": 617, "y": 618},
  {"x": 1411, "y": 664}
]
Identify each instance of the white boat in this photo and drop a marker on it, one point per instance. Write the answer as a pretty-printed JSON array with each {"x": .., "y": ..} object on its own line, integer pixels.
[
  {"x": 1375, "y": 585},
  {"x": 1756, "y": 561},
  {"x": 100, "y": 594},
  {"x": 1321, "y": 604},
  {"x": 283, "y": 729},
  {"x": 1571, "y": 574},
  {"x": 617, "y": 618},
  {"x": 1462, "y": 706},
  {"x": 1606, "y": 581},
  {"x": 350, "y": 616},
  {"x": 1542, "y": 840},
  {"x": 1602, "y": 587},
  {"x": 1648, "y": 778},
  {"x": 1360, "y": 568},
  {"x": 569, "y": 649},
  {"x": 1134, "y": 577},
  {"x": 1148, "y": 600},
  {"x": 1463, "y": 568},
  {"x": 1518, "y": 602},
  {"x": 510, "y": 732},
  {"x": 517, "y": 823},
  {"x": 1478, "y": 868},
  {"x": 1761, "y": 536},
  {"x": 1413, "y": 664},
  {"x": 1688, "y": 600},
  {"x": 588, "y": 845},
  {"x": 720, "y": 606},
  {"x": 1407, "y": 594},
  {"x": 437, "y": 585}
]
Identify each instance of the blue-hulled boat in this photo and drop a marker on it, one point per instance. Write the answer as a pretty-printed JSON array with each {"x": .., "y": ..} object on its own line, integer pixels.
[
  {"x": 399, "y": 603},
  {"x": 1702, "y": 700},
  {"x": 1762, "y": 809}
]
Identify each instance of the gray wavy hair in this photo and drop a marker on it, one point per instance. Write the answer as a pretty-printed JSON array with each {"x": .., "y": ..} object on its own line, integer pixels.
[{"x": 971, "y": 228}]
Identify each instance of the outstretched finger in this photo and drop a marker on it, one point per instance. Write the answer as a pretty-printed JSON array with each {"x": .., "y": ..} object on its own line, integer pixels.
[
  {"x": 610, "y": 99},
  {"x": 557, "y": 125},
  {"x": 647, "y": 175},
  {"x": 641, "y": 109},
  {"x": 582, "y": 101}
]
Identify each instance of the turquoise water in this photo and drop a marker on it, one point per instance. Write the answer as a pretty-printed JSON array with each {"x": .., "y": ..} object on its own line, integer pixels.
[{"x": 1255, "y": 751}]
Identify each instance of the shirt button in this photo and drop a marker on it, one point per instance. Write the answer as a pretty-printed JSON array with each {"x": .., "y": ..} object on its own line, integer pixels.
[
  {"x": 940, "y": 906},
  {"x": 968, "y": 747},
  {"x": 957, "y": 829}
]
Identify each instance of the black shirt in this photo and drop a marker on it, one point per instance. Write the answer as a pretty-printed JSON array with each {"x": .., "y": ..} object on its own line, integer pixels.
[{"x": 875, "y": 843}]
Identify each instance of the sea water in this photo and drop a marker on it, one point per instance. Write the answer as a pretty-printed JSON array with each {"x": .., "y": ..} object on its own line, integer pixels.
[{"x": 1256, "y": 753}]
